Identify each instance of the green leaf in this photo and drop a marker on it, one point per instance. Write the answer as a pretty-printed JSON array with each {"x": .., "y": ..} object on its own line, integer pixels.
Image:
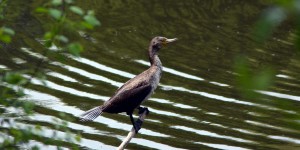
[
  {"x": 78, "y": 138},
  {"x": 92, "y": 20},
  {"x": 55, "y": 13},
  {"x": 77, "y": 10},
  {"x": 248, "y": 81},
  {"x": 16, "y": 133},
  {"x": 56, "y": 2},
  {"x": 91, "y": 12},
  {"x": 14, "y": 78},
  {"x": 5, "y": 38},
  {"x": 35, "y": 147},
  {"x": 263, "y": 79},
  {"x": 41, "y": 10},
  {"x": 69, "y": 1},
  {"x": 268, "y": 22},
  {"x": 28, "y": 107},
  {"x": 75, "y": 49},
  {"x": 20, "y": 91},
  {"x": 62, "y": 38},
  {"x": 86, "y": 25},
  {"x": 8, "y": 31},
  {"x": 48, "y": 43},
  {"x": 285, "y": 3},
  {"x": 48, "y": 35},
  {"x": 38, "y": 127}
]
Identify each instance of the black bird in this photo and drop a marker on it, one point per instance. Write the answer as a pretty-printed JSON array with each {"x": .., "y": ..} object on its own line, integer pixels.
[{"x": 136, "y": 90}]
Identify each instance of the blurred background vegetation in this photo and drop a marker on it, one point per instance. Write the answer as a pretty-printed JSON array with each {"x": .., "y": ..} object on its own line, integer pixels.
[
  {"x": 276, "y": 16},
  {"x": 59, "y": 31}
]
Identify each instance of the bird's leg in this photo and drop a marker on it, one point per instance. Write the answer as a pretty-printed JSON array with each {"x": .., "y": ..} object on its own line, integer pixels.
[
  {"x": 136, "y": 125},
  {"x": 142, "y": 109}
]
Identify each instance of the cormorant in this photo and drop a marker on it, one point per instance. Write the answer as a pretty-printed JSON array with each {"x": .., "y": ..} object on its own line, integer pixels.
[{"x": 136, "y": 90}]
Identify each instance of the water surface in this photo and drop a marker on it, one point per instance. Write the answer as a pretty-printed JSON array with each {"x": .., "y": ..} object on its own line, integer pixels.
[{"x": 197, "y": 104}]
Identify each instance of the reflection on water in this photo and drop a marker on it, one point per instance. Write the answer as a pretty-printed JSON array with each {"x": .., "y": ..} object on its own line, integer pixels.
[
  {"x": 280, "y": 95},
  {"x": 207, "y": 133},
  {"x": 222, "y": 146},
  {"x": 196, "y": 106},
  {"x": 103, "y": 67},
  {"x": 172, "y": 71}
]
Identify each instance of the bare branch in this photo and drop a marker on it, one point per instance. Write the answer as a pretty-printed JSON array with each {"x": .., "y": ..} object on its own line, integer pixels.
[{"x": 132, "y": 133}]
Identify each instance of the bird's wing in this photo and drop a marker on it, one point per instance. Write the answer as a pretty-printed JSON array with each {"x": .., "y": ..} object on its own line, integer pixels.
[{"x": 128, "y": 99}]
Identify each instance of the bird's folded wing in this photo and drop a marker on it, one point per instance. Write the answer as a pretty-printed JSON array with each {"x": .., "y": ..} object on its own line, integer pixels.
[{"x": 126, "y": 100}]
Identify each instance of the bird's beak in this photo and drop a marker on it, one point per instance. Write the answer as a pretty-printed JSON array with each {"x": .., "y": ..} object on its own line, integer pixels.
[{"x": 170, "y": 40}]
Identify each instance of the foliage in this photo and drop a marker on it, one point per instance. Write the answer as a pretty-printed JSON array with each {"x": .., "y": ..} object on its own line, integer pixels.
[
  {"x": 275, "y": 16},
  {"x": 59, "y": 11},
  {"x": 6, "y": 34},
  {"x": 270, "y": 19},
  {"x": 13, "y": 83},
  {"x": 251, "y": 81}
]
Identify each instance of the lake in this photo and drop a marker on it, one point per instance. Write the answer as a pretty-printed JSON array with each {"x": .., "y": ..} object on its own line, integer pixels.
[{"x": 197, "y": 104}]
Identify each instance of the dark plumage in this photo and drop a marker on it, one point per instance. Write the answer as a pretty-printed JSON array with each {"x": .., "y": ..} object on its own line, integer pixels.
[{"x": 136, "y": 90}]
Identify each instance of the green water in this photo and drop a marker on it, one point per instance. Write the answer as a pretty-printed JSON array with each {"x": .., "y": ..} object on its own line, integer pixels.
[{"x": 197, "y": 105}]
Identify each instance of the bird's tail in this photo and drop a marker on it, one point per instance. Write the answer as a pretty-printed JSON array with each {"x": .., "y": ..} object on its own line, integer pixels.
[{"x": 91, "y": 114}]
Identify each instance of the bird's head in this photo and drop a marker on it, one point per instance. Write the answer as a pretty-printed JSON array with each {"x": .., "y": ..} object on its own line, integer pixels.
[{"x": 159, "y": 42}]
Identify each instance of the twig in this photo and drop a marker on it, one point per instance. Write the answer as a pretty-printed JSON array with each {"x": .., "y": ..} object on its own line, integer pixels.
[{"x": 132, "y": 133}]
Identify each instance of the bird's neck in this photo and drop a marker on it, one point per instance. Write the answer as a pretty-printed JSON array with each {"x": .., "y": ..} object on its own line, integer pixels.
[
  {"x": 155, "y": 61},
  {"x": 153, "y": 58}
]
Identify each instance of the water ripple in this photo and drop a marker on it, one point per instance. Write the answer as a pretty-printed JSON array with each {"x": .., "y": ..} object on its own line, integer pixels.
[
  {"x": 211, "y": 134},
  {"x": 280, "y": 95},
  {"x": 212, "y": 96},
  {"x": 87, "y": 74},
  {"x": 57, "y": 105},
  {"x": 102, "y": 67},
  {"x": 172, "y": 71},
  {"x": 222, "y": 146},
  {"x": 69, "y": 90}
]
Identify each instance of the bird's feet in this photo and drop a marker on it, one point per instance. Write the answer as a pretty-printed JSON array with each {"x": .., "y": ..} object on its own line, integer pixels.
[
  {"x": 137, "y": 125},
  {"x": 143, "y": 109}
]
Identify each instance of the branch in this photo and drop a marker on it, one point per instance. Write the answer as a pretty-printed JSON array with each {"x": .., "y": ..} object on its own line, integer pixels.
[{"x": 132, "y": 133}]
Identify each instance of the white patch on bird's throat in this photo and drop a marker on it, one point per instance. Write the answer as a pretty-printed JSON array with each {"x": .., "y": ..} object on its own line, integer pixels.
[
  {"x": 156, "y": 78},
  {"x": 154, "y": 81}
]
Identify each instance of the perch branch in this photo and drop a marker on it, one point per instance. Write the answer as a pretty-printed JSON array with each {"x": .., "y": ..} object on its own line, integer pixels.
[{"x": 132, "y": 133}]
